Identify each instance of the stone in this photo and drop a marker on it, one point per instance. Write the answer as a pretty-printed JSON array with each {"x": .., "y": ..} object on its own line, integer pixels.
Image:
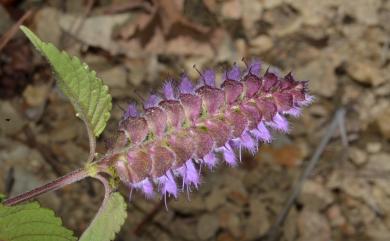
[
  {"x": 258, "y": 222},
  {"x": 96, "y": 30},
  {"x": 365, "y": 73},
  {"x": 321, "y": 74},
  {"x": 236, "y": 192},
  {"x": 182, "y": 205},
  {"x": 269, "y": 4},
  {"x": 186, "y": 45},
  {"x": 290, "y": 226},
  {"x": 383, "y": 122},
  {"x": 252, "y": 13},
  {"x": 378, "y": 163},
  {"x": 261, "y": 44},
  {"x": 284, "y": 24},
  {"x": 335, "y": 216},
  {"x": 313, "y": 226},
  {"x": 377, "y": 231},
  {"x": 314, "y": 13},
  {"x": 351, "y": 93},
  {"x": 231, "y": 9},
  {"x": 184, "y": 229},
  {"x": 36, "y": 95},
  {"x": 64, "y": 130},
  {"x": 215, "y": 199},
  {"x": 373, "y": 147},
  {"x": 384, "y": 89},
  {"x": 315, "y": 196},
  {"x": 207, "y": 226},
  {"x": 241, "y": 46},
  {"x": 371, "y": 108},
  {"x": 251, "y": 180},
  {"x": 357, "y": 156},
  {"x": 115, "y": 77},
  {"x": 226, "y": 48},
  {"x": 47, "y": 25},
  {"x": 74, "y": 152},
  {"x": 11, "y": 120},
  {"x": 225, "y": 237},
  {"x": 364, "y": 11},
  {"x": 5, "y": 20},
  {"x": 230, "y": 219},
  {"x": 381, "y": 200}
]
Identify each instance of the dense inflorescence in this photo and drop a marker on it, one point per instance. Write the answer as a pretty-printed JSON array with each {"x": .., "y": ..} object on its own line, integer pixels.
[{"x": 187, "y": 126}]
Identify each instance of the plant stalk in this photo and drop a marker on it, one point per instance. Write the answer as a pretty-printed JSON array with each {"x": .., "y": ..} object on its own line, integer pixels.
[{"x": 60, "y": 182}]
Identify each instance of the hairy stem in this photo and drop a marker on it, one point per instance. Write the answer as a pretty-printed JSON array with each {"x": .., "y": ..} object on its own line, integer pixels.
[
  {"x": 60, "y": 182},
  {"x": 107, "y": 188}
]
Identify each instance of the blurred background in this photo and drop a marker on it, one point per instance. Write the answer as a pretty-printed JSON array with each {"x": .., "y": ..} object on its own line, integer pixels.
[{"x": 341, "y": 46}]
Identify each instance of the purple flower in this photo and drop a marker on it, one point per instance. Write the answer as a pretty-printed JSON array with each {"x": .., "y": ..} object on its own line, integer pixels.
[
  {"x": 131, "y": 111},
  {"x": 168, "y": 90},
  {"x": 185, "y": 127},
  {"x": 186, "y": 86}
]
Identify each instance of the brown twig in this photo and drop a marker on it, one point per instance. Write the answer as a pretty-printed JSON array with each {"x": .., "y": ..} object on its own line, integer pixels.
[
  {"x": 12, "y": 31},
  {"x": 337, "y": 121}
]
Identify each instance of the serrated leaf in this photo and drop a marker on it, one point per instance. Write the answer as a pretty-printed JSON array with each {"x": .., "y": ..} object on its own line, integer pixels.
[
  {"x": 30, "y": 222},
  {"x": 87, "y": 93},
  {"x": 108, "y": 220}
]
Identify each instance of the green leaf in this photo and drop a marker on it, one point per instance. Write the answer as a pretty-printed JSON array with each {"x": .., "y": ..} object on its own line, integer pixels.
[
  {"x": 30, "y": 222},
  {"x": 108, "y": 220},
  {"x": 2, "y": 197},
  {"x": 87, "y": 93}
]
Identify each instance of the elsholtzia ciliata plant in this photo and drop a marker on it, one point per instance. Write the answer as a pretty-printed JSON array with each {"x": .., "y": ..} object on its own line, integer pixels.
[{"x": 162, "y": 145}]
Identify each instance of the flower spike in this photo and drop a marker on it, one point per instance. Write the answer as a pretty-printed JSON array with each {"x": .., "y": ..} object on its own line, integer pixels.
[{"x": 186, "y": 128}]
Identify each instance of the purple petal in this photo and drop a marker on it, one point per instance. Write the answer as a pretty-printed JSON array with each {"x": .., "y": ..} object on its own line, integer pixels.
[
  {"x": 255, "y": 67},
  {"x": 248, "y": 143},
  {"x": 308, "y": 100},
  {"x": 279, "y": 122},
  {"x": 261, "y": 133},
  {"x": 152, "y": 101},
  {"x": 167, "y": 184},
  {"x": 294, "y": 111},
  {"x": 189, "y": 174},
  {"x": 274, "y": 70},
  {"x": 186, "y": 86},
  {"x": 131, "y": 111},
  {"x": 210, "y": 160},
  {"x": 209, "y": 77},
  {"x": 228, "y": 154},
  {"x": 145, "y": 186},
  {"x": 168, "y": 90},
  {"x": 234, "y": 73}
]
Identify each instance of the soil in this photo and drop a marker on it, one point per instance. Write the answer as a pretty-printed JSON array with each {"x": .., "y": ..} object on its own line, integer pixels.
[{"x": 341, "y": 47}]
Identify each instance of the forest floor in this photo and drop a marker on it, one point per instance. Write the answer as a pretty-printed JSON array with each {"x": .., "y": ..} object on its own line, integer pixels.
[{"x": 341, "y": 47}]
